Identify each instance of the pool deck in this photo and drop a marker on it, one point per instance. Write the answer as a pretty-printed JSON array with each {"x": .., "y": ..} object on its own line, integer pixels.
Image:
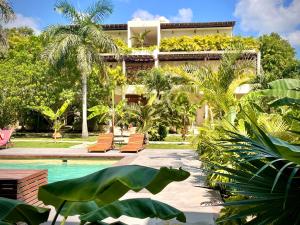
[{"x": 191, "y": 196}]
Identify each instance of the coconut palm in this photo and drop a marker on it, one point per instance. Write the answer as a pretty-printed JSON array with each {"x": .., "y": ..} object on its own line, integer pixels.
[
  {"x": 81, "y": 41},
  {"x": 6, "y": 15}
]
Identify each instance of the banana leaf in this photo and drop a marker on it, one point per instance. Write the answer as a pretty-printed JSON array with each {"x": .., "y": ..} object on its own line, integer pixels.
[
  {"x": 139, "y": 208},
  {"x": 285, "y": 101},
  {"x": 14, "y": 211},
  {"x": 287, "y": 84},
  {"x": 108, "y": 185}
]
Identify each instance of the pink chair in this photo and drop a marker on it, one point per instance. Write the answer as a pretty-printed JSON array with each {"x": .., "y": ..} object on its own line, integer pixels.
[{"x": 5, "y": 136}]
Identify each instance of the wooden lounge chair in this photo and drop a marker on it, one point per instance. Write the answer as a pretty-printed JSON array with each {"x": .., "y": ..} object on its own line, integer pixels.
[
  {"x": 135, "y": 143},
  {"x": 104, "y": 143},
  {"x": 5, "y": 136}
]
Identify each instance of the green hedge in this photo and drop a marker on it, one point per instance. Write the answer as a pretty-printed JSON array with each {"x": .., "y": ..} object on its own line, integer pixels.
[{"x": 207, "y": 43}]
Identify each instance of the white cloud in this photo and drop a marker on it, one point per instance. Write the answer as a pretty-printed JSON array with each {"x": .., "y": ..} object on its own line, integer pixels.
[
  {"x": 183, "y": 15},
  {"x": 23, "y": 21},
  {"x": 270, "y": 16},
  {"x": 294, "y": 37},
  {"x": 145, "y": 15}
]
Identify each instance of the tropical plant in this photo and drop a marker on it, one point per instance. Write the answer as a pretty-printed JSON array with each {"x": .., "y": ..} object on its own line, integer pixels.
[
  {"x": 216, "y": 89},
  {"x": 156, "y": 80},
  {"x": 184, "y": 112},
  {"x": 265, "y": 173},
  {"x": 54, "y": 117},
  {"x": 146, "y": 116},
  {"x": 6, "y": 14},
  {"x": 139, "y": 38},
  {"x": 104, "y": 113},
  {"x": 82, "y": 42},
  {"x": 101, "y": 111},
  {"x": 100, "y": 199},
  {"x": 285, "y": 91}
]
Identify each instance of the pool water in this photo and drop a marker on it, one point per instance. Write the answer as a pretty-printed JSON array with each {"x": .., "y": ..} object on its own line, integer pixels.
[{"x": 59, "y": 169}]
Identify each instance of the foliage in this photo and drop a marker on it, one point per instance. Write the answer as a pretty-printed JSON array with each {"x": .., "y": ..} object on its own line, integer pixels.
[
  {"x": 277, "y": 56},
  {"x": 80, "y": 42},
  {"x": 6, "y": 14},
  {"x": 286, "y": 92},
  {"x": 124, "y": 49},
  {"x": 266, "y": 173},
  {"x": 207, "y": 43},
  {"x": 102, "y": 192},
  {"x": 13, "y": 211},
  {"x": 146, "y": 116},
  {"x": 104, "y": 113},
  {"x": 158, "y": 133},
  {"x": 217, "y": 89},
  {"x": 156, "y": 80},
  {"x": 139, "y": 38},
  {"x": 184, "y": 110},
  {"x": 54, "y": 117}
]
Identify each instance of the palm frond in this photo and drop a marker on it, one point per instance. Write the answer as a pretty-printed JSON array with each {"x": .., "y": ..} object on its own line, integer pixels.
[
  {"x": 266, "y": 174},
  {"x": 6, "y": 11},
  {"x": 68, "y": 11},
  {"x": 103, "y": 42},
  {"x": 60, "y": 47},
  {"x": 99, "y": 10}
]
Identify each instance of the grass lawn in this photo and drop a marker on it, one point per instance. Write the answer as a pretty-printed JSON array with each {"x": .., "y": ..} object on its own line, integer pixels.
[
  {"x": 35, "y": 144},
  {"x": 176, "y": 138},
  {"x": 90, "y": 138}
]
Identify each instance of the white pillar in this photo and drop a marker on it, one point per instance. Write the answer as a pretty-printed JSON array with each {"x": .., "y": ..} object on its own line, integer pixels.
[
  {"x": 155, "y": 56},
  {"x": 258, "y": 63},
  {"x": 124, "y": 72},
  {"x": 206, "y": 112}
]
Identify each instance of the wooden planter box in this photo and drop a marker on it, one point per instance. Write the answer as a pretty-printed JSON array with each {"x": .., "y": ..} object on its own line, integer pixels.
[{"x": 22, "y": 185}]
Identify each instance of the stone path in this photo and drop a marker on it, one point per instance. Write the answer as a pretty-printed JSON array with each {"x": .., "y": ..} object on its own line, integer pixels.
[{"x": 187, "y": 196}]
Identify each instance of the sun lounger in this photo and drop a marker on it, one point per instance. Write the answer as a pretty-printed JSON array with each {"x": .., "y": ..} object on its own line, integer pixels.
[
  {"x": 135, "y": 143},
  {"x": 104, "y": 143},
  {"x": 5, "y": 136}
]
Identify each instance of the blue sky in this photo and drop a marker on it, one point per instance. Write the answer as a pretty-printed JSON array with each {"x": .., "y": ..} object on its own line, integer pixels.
[{"x": 254, "y": 17}]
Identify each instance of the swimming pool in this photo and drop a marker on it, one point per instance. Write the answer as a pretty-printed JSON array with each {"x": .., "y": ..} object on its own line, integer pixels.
[{"x": 58, "y": 169}]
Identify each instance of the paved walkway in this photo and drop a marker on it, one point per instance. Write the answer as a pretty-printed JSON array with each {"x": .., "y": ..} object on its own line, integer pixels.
[{"x": 188, "y": 196}]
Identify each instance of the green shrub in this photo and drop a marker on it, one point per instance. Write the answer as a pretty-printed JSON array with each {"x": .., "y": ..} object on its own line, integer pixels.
[
  {"x": 158, "y": 133},
  {"x": 207, "y": 43}
]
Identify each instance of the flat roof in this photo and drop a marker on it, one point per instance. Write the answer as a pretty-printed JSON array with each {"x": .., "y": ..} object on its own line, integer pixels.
[{"x": 123, "y": 26}]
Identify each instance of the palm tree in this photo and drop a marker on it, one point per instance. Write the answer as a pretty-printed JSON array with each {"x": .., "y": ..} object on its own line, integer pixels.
[
  {"x": 146, "y": 115},
  {"x": 140, "y": 38},
  {"x": 83, "y": 41},
  {"x": 156, "y": 80},
  {"x": 218, "y": 87},
  {"x": 6, "y": 15}
]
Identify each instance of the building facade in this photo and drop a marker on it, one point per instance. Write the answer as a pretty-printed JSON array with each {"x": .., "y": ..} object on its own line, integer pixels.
[{"x": 156, "y": 31}]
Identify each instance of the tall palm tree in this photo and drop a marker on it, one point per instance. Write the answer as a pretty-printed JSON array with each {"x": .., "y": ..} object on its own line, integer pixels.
[
  {"x": 6, "y": 15},
  {"x": 83, "y": 41}
]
